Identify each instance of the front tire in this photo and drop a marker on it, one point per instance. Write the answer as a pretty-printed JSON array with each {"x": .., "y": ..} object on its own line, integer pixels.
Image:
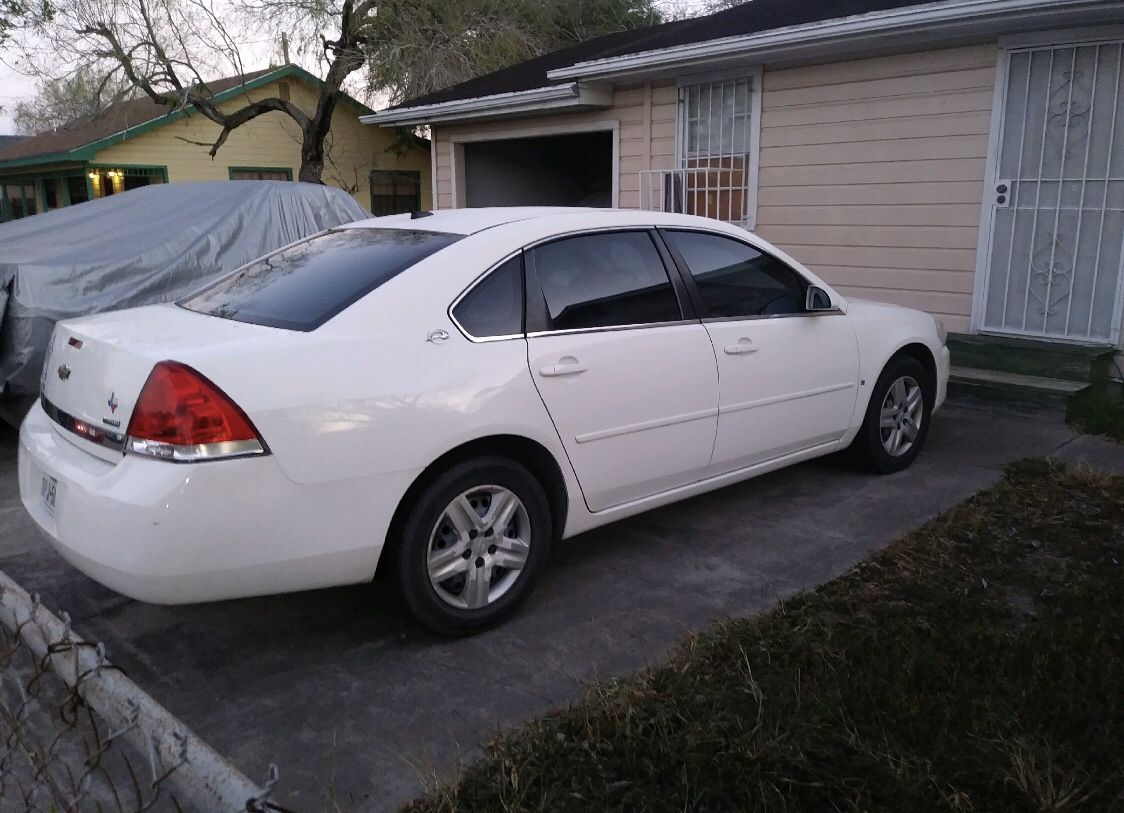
[
  {"x": 473, "y": 546},
  {"x": 897, "y": 417}
]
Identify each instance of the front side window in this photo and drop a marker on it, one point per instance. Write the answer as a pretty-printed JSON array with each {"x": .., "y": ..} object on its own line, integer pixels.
[
  {"x": 305, "y": 285},
  {"x": 495, "y": 306},
  {"x": 735, "y": 279},
  {"x": 395, "y": 192},
  {"x": 604, "y": 280}
]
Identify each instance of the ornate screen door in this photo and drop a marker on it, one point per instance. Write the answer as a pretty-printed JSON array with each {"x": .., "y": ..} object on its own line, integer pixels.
[{"x": 1057, "y": 240}]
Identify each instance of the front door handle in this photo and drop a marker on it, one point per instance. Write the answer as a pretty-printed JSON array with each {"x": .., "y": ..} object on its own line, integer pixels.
[
  {"x": 744, "y": 345},
  {"x": 565, "y": 366}
]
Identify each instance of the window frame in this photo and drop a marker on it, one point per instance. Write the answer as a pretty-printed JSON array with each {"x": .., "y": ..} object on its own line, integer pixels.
[
  {"x": 288, "y": 171},
  {"x": 536, "y": 317},
  {"x": 394, "y": 194},
  {"x": 754, "y": 74},
  {"x": 696, "y": 295},
  {"x": 520, "y": 253}
]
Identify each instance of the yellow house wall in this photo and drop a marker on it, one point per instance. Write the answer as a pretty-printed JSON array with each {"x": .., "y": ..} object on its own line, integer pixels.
[{"x": 272, "y": 140}]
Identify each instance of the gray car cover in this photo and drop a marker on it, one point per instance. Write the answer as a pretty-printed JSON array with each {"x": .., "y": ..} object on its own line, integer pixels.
[{"x": 152, "y": 244}]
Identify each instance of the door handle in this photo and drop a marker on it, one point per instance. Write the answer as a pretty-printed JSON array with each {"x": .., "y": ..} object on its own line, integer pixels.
[
  {"x": 567, "y": 366},
  {"x": 744, "y": 345}
]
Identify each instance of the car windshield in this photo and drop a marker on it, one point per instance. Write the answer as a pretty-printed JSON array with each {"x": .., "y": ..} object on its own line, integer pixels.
[{"x": 303, "y": 286}]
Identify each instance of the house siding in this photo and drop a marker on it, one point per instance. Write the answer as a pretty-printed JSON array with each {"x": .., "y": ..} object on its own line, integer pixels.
[
  {"x": 872, "y": 173},
  {"x": 271, "y": 140},
  {"x": 871, "y": 170}
]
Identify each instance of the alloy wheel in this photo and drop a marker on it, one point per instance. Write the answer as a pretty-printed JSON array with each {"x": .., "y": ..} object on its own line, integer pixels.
[
  {"x": 903, "y": 409},
  {"x": 479, "y": 547}
]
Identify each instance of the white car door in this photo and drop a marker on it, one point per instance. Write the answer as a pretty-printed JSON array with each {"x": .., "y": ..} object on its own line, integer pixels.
[
  {"x": 630, "y": 383},
  {"x": 789, "y": 378}
]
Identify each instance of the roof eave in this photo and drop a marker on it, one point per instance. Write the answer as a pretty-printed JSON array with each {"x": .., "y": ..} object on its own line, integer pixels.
[
  {"x": 841, "y": 35},
  {"x": 80, "y": 154},
  {"x": 570, "y": 96}
]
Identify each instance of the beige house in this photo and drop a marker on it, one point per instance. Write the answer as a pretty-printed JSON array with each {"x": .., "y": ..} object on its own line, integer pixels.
[
  {"x": 963, "y": 156},
  {"x": 136, "y": 142}
]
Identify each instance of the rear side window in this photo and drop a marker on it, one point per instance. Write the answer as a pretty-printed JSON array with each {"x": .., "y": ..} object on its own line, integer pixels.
[
  {"x": 735, "y": 279},
  {"x": 604, "y": 280},
  {"x": 303, "y": 286},
  {"x": 495, "y": 306}
]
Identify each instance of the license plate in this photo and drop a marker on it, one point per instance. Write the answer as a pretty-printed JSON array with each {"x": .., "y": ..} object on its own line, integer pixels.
[{"x": 48, "y": 491}]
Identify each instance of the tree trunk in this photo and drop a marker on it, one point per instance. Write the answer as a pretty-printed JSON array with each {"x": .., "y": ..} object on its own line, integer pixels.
[{"x": 312, "y": 144}]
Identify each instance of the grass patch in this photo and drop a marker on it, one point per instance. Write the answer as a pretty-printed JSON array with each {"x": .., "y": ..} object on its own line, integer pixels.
[
  {"x": 976, "y": 664},
  {"x": 1096, "y": 413}
]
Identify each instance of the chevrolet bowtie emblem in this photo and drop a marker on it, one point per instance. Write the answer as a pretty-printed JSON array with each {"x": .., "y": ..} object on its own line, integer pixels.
[{"x": 64, "y": 371}]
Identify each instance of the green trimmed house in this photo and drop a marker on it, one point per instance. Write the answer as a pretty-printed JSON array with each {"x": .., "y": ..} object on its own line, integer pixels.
[{"x": 136, "y": 143}]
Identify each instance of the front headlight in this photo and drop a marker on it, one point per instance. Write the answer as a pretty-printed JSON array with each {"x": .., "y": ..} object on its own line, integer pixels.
[{"x": 942, "y": 331}]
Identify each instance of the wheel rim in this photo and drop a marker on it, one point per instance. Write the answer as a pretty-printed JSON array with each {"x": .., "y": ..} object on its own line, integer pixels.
[
  {"x": 903, "y": 409},
  {"x": 479, "y": 547}
]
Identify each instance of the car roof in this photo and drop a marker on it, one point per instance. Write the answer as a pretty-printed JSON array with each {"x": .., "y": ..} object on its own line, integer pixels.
[
  {"x": 465, "y": 221},
  {"x": 473, "y": 220}
]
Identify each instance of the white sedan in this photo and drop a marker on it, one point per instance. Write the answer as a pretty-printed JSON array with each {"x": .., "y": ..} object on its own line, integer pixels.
[{"x": 447, "y": 394}]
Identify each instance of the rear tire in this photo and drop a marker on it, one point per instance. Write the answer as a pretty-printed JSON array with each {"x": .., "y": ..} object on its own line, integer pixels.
[
  {"x": 897, "y": 417},
  {"x": 473, "y": 546}
]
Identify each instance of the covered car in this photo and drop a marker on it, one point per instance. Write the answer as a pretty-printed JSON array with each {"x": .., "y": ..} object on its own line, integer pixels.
[{"x": 144, "y": 246}]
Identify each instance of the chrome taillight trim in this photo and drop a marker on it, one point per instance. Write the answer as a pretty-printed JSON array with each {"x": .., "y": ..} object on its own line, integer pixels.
[{"x": 198, "y": 453}]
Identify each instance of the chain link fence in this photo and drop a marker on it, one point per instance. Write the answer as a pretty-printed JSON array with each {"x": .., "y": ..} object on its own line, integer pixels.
[{"x": 76, "y": 734}]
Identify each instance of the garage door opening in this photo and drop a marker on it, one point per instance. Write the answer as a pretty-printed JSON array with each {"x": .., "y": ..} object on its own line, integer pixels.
[{"x": 575, "y": 169}]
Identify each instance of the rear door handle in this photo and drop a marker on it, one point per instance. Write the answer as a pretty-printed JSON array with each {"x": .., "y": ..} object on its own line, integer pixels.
[
  {"x": 565, "y": 367},
  {"x": 744, "y": 345}
]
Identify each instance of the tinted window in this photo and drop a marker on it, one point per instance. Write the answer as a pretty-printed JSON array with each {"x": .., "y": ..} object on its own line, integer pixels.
[
  {"x": 495, "y": 306},
  {"x": 601, "y": 280},
  {"x": 305, "y": 285},
  {"x": 736, "y": 279}
]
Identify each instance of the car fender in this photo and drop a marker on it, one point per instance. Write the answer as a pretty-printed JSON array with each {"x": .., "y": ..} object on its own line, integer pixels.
[{"x": 882, "y": 331}]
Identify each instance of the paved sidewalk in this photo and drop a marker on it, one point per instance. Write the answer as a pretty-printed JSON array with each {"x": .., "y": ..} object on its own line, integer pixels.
[{"x": 357, "y": 705}]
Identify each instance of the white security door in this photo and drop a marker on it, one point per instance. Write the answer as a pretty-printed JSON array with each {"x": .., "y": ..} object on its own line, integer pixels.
[{"x": 1058, "y": 196}]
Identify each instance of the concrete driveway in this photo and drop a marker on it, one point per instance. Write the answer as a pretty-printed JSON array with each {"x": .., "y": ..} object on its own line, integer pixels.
[{"x": 359, "y": 707}]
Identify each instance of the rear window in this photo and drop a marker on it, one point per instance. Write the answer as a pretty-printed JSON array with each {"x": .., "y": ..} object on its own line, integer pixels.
[{"x": 303, "y": 286}]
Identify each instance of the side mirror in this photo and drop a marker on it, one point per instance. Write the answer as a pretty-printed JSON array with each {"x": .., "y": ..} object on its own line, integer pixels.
[{"x": 817, "y": 299}]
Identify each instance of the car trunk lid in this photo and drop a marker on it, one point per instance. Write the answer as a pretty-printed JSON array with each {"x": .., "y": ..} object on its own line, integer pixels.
[{"x": 96, "y": 366}]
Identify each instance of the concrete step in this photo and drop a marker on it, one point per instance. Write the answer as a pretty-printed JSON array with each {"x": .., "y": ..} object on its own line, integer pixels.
[
  {"x": 1013, "y": 387},
  {"x": 1017, "y": 381},
  {"x": 1032, "y": 357}
]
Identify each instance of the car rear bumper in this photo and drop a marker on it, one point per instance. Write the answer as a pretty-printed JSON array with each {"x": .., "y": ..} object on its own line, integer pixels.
[{"x": 173, "y": 533}]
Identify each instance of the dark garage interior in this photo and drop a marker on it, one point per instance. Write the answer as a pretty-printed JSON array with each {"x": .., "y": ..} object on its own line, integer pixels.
[{"x": 559, "y": 170}]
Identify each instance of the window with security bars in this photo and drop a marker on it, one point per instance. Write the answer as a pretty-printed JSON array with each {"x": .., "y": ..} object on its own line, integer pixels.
[
  {"x": 716, "y": 121},
  {"x": 395, "y": 192}
]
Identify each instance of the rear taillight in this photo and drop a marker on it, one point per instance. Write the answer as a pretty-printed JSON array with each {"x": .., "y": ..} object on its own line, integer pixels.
[{"x": 182, "y": 416}]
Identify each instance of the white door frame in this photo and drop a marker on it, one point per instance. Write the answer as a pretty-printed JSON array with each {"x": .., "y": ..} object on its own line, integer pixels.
[
  {"x": 457, "y": 142},
  {"x": 1040, "y": 39}
]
